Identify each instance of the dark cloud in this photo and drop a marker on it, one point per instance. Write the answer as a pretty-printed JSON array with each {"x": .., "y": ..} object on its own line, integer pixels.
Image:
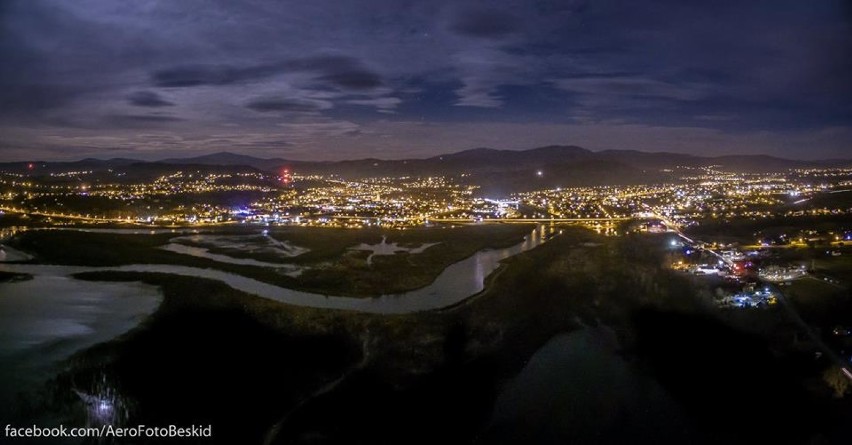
[
  {"x": 140, "y": 120},
  {"x": 287, "y": 105},
  {"x": 198, "y": 75},
  {"x": 339, "y": 71},
  {"x": 485, "y": 24},
  {"x": 354, "y": 79},
  {"x": 323, "y": 63},
  {"x": 147, "y": 118},
  {"x": 148, "y": 99},
  {"x": 277, "y": 144},
  {"x": 27, "y": 100}
]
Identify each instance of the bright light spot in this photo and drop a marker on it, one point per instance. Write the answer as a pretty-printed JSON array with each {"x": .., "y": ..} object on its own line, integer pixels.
[
  {"x": 539, "y": 173},
  {"x": 104, "y": 407}
]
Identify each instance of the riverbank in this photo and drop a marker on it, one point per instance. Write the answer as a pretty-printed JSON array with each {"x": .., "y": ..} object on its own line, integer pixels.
[{"x": 6, "y": 277}]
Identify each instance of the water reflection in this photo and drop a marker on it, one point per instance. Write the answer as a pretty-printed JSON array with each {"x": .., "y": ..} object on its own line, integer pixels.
[
  {"x": 45, "y": 320},
  {"x": 576, "y": 389},
  {"x": 203, "y": 252},
  {"x": 104, "y": 405},
  {"x": 7, "y": 253},
  {"x": 388, "y": 249},
  {"x": 7, "y": 233},
  {"x": 478, "y": 270}
]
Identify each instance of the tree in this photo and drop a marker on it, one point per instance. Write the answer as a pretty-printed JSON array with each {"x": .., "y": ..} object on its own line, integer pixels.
[{"x": 837, "y": 380}]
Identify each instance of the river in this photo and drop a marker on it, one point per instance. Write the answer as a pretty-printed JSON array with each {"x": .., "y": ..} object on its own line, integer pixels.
[{"x": 455, "y": 284}]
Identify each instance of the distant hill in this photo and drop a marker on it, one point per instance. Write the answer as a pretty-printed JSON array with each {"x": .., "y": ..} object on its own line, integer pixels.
[
  {"x": 45, "y": 167},
  {"x": 488, "y": 159},
  {"x": 496, "y": 171},
  {"x": 225, "y": 158},
  {"x": 560, "y": 166},
  {"x": 115, "y": 170}
]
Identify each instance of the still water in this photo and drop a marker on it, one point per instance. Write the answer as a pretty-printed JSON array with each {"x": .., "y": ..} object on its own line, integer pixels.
[
  {"x": 45, "y": 320},
  {"x": 576, "y": 389},
  {"x": 202, "y": 252}
]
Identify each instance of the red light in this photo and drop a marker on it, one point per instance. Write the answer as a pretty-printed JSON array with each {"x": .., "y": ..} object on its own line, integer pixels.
[
  {"x": 286, "y": 177},
  {"x": 30, "y": 166}
]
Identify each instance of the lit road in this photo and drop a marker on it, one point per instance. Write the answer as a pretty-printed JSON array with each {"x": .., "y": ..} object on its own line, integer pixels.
[
  {"x": 67, "y": 216},
  {"x": 94, "y": 219},
  {"x": 530, "y": 220}
]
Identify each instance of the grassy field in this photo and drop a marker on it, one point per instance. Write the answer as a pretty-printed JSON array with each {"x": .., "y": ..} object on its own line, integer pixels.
[
  {"x": 745, "y": 231},
  {"x": 821, "y": 303},
  {"x": 839, "y": 200},
  {"x": 326, "y": 244},
  {"x": 839, "y": 267}
]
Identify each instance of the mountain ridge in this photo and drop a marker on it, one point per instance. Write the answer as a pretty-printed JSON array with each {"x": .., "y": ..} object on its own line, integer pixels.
[
  {"x": 493, "y": 170},
  {"x": 574, "y": 151}
]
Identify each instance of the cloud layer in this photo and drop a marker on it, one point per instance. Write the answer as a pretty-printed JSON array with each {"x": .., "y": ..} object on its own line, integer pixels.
[{"x": 333, "y": 80}]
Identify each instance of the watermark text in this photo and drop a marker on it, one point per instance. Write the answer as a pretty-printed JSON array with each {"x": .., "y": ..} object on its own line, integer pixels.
[{"x": 139, "y": 431}]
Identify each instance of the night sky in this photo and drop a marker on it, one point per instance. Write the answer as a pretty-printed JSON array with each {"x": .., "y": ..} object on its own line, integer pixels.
[{"x": 314, "y": 79}]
